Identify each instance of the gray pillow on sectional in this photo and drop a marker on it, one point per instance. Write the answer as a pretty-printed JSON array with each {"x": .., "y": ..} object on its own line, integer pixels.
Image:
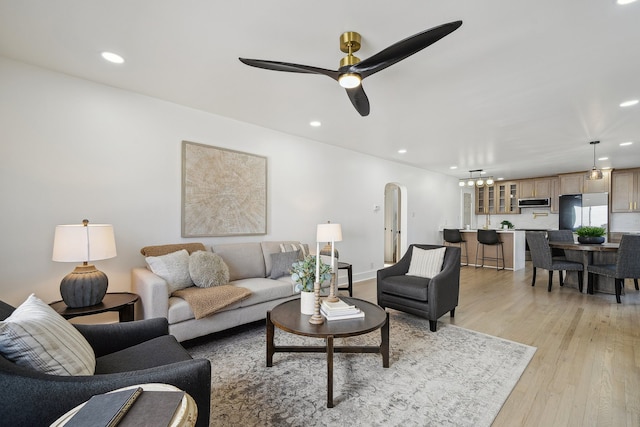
[{"x": 281, "y": 263}]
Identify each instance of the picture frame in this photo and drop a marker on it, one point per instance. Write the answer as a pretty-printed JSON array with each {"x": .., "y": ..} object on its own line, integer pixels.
[{"x": 224, "y": 192}]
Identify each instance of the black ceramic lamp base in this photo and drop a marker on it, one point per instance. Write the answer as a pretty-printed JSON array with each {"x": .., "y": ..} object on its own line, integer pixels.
[{"x": 83, "y": 287}]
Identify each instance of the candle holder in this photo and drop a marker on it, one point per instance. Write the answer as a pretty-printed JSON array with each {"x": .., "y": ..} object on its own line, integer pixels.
[{"x": 316, "y": 318}]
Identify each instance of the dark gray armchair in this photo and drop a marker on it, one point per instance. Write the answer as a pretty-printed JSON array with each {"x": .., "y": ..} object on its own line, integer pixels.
[
  {"x": 428, "y": 298},
  {"x": 126, "y": 354}
]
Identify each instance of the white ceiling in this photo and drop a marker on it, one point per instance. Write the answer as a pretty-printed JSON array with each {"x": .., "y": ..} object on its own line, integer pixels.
[{"x": 519, "y": 90}]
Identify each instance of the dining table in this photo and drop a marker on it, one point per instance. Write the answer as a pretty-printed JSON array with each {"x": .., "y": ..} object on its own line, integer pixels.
[{"x": 603, "y": 253}]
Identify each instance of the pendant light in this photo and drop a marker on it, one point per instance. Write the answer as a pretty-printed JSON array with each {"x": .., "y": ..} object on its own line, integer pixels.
[{"x": 595, "y": 173}]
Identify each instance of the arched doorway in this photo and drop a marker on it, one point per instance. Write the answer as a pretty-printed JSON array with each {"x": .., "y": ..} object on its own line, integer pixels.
[{"x": 395, "y": 222}]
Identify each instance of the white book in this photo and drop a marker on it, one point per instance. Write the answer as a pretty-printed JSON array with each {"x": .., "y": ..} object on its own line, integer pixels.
[
  {"x": 331, "y": 317},
  {"x": 339, "y": 305}
]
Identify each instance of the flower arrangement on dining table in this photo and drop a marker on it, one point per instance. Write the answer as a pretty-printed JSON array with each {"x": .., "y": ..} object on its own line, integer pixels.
[{"x": 304, "y": 273}]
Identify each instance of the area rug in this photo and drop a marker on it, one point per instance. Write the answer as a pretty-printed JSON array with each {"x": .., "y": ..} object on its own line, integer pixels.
[{"x": 454, "y": 377}]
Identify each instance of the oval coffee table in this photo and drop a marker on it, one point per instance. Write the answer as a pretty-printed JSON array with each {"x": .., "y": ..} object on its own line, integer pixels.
[{"x": 288, "y": 318}]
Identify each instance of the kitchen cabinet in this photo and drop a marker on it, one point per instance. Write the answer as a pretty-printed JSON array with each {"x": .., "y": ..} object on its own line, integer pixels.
[
  {"x": 485, "y": 200},
  {"x": 536, "y": 187},
  {"x": 625, "y": 191},
  {"x": 577, "y": 183},
  {"x": 555, "y": 192},
  {"x": 507, "y": 197}
]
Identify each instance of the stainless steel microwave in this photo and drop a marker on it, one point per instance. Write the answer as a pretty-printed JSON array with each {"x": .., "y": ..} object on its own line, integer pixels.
[{"x": 533, "y": 202}]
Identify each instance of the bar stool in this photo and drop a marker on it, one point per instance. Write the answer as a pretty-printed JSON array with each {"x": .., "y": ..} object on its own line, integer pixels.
[
  {"x": 490, "y": 238},
  {"x": 454, "y": 237}
]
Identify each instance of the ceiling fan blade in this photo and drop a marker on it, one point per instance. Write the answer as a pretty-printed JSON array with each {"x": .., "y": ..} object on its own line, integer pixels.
[
  {"x": 289, "y": 67},
  {"x": 359, "y": 100},
  {"x": 403, "y": 49}
]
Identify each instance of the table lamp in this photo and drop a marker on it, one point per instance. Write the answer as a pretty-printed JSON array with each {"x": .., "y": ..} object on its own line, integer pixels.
[
  {"x": 85, "y": 285},
  {"x": 330, "y": 233}
]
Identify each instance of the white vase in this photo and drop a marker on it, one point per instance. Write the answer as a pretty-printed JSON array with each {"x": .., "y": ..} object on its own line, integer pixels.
[{"x": 307, "y": 302}]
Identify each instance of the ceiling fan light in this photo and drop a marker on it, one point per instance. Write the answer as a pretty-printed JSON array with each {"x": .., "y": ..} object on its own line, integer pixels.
[{"x": 349, "y": 80}]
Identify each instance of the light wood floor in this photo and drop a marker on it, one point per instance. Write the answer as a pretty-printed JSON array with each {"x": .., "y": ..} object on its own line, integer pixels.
[{"x": 586, "y": 370}]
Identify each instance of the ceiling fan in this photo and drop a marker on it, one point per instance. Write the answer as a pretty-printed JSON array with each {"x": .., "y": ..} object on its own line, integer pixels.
[{"x": 352, "y": 70}]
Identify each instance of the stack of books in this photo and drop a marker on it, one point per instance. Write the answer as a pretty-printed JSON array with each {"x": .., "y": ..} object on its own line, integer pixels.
[{"x": 339, "y": 310}]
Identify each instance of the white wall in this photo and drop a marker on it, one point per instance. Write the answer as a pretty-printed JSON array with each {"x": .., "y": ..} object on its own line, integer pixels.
[{"x": 71, "y": 149}]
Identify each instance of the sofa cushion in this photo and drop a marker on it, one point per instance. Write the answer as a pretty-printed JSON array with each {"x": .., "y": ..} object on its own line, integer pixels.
[
  {"x": 263, "y": 290},
  {"x": 426, "y": 263},
  {"x": 281, "y": 263},
  {"x": 35, "y": 336},
  {"x": 208, "y": 269},
  {"x": 269, "y": 248},
  {"x": 160, "y": 351},
  {"x": 159, "y": 250},
  {"x": 245, "y": 260},
  {"x": 173, "y": 268}
]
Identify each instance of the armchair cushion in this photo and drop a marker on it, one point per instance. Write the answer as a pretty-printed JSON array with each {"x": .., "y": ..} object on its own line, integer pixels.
[
  {"x": 35, "y": 336},
  {"x": 426, "y": 263},
  {"x": 160, "y": 351}
]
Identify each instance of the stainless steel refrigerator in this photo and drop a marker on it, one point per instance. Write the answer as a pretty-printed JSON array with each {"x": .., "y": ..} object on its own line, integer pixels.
[{"x": 577, "y": 210}]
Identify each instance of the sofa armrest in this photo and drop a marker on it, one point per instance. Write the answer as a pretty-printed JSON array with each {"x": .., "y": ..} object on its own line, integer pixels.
[
  {"x": 112, "y": 337},
  {"x": 444, "y": 287},
  {"x": 153, "y": 291}
]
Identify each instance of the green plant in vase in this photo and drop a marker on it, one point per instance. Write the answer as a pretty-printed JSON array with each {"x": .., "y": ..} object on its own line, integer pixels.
[
  {"x": 591, "y": 235},
  {"x": 506, "y": 223},
  {"x": 304, "y": 273}
]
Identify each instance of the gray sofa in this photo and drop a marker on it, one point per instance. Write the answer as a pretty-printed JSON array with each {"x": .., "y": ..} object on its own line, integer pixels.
[
  {"x": 427, "y": 298},
  {"x": 126, "y": 354},
  {"x": 249, "y": 267}
]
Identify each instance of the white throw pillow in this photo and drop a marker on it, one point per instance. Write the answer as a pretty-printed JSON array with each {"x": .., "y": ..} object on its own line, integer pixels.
[
  {"x": 426, "y": 262},
  {"x": 173, "y": 267},
  {"x": 208, "y": 269},
  {"x": 37, "y": 337}
]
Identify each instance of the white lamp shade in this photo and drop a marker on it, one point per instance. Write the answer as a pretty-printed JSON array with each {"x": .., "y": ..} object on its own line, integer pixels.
[
  {"x": 80, "y": 243},
  {"x": 329, "y": 233}
]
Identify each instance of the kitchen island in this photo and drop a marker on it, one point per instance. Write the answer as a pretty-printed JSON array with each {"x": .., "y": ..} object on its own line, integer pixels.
[{"x": 513, "y": 243}]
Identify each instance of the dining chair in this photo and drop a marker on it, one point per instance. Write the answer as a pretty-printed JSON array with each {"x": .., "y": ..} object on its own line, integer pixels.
[
  {"x": 490, "y": 238},
  {"x": 559, "y": 236},
  {"x": 541, "y": 258},
  {"x": 626, "y": 266},
  {"x": 452, "y": 236}
]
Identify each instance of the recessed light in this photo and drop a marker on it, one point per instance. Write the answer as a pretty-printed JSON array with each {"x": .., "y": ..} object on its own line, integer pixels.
[
  {"x": 603, "y": 158},
  {"x": 315, "y": 123},
  {"x": 624, "y": 144},
  {"x": 629, "y": 103},
  {"x": 113, "y": 57},
  {"x": 402, "y": 151},
  {"x": 625, "y": 1},
  {"x": 500, "y": 179},
  {"x": 453, "y": 167}
]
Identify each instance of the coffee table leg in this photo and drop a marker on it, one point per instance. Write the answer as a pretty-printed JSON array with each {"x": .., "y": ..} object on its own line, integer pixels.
[
  {"x": 384, "y": 346},
  {"x": 330, "y": 371},
  {"x": 270, "y": 346}
]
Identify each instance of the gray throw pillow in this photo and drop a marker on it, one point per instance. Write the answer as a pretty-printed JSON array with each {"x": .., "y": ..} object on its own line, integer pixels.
[
  {"x": 281, "y": 263},
  {"x": 208, "y": 269}
]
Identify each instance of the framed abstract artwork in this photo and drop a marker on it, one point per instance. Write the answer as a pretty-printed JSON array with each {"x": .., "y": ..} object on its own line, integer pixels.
[{"x": 224, "y": 192}]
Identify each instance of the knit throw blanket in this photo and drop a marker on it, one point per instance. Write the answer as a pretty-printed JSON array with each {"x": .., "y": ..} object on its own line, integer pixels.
[{"x": 206, "y": 301}]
